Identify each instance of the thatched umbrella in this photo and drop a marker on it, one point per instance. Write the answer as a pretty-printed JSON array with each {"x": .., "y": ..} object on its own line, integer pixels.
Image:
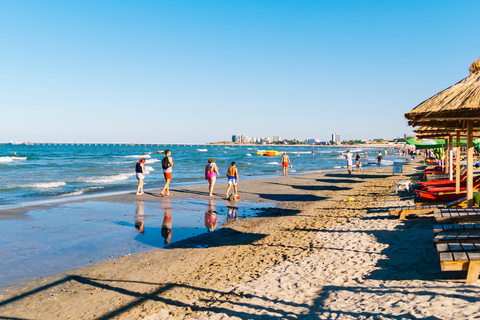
[{"x": 457, "y": 107}]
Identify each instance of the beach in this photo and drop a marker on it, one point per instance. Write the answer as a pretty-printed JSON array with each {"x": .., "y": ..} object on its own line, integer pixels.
[{"x": 313, "y": 256}]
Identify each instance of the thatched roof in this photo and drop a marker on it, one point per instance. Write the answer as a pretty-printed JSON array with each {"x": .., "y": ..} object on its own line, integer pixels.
[{"x": 451, "y": 106}]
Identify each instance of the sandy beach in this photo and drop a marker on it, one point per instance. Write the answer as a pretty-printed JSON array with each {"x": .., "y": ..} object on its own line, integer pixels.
[{"x": 314, "y": 256}]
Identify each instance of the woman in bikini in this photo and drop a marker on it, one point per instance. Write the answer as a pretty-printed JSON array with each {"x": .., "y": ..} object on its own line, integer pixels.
[{"x": 211, "y": 171}]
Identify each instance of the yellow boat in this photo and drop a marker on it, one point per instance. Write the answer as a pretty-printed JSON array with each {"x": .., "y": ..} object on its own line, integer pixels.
[{"x": 269, "y": 153}]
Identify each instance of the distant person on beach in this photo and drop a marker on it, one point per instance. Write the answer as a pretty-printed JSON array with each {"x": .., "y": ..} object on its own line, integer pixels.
[
  {"x": 359, "y": 167},
  {"x": 379, "y": 157},
  {"x": 211, "y": 172},
  {"x": 348, "y": 156},
  {"x": 357, "y": 159},
  {"x": 211, "y": 220},
  {"x": 139, "y": 217},
  {"x": 140, "y": 173},
  {"x": 232, "y": 175},
  {"x": 365, "y": 154},
  {"x": 167, "y": 230},
  {"x": 386, "y": 152},
  {"x": 298, "y": 154},
  {"x": 285, "y": 162},
  {"x": 167, "y": 164},
  {"x": 313, "y": 152}
]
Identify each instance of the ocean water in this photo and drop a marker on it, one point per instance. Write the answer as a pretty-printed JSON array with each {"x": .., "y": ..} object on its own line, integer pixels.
[{"x": 53, "y": 173}]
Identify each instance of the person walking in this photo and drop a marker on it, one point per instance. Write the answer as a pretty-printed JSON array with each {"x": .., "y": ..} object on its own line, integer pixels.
[
  {"x": 285, "y": 162},
  {"x": 140, "y": 173},
  {"x": 232, "y": 175},
  {"x": 167, "y": 164},
  {"x": 211, "y": 172},
  {"x": 348, "y": 156}
]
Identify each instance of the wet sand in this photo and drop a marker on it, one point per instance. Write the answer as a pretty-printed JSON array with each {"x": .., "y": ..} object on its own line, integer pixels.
[{"x": 315, "y": 256}]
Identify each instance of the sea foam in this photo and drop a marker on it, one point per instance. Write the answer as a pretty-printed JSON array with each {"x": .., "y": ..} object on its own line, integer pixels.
[
  {"x": 46, "y": 185},
  {"x": 109, "y": 179},
  {"x": 146, "y": 156},
  {"x": 150, "y": 161},
  {"x": 11, "y": 159}
]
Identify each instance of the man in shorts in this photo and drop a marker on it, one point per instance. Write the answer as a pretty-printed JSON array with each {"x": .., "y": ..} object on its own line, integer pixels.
[
  {"x": 285, "y": 162},
  {"x": 167, "y": 164},
  {"x": 232, "y": 175},
  {"x": 348, "y": 156}
]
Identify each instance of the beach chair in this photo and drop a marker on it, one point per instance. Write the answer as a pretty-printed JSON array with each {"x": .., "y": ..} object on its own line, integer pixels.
[
  {"x": 449, "y": 187},
  {"x": 403, "y": 212},
  {"x": 436, "y": 170},
  {"x": 466, "y": 227},
  {"x": 440, "y": 196},
  {"x": 457, "y": 256},
  {"x": 456, "y": 215},
  {"x": 463, "y": 176}
]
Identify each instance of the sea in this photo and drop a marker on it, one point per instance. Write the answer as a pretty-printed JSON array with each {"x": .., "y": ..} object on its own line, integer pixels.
[{"x": 32, "y": 174}]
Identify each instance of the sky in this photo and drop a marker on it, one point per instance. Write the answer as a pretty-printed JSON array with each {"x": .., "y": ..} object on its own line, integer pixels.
[{"x": 200, "y": 71}]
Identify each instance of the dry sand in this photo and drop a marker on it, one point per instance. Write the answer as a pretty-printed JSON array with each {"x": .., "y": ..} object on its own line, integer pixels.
[{"x": 315, "y": 257}]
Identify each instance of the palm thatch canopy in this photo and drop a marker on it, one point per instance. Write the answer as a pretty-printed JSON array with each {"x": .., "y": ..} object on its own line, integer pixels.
[{"x": 452, "y": 106}]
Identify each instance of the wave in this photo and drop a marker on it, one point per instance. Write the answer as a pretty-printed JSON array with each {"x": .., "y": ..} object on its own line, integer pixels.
[
  {"x": 74, "y": 193},
  {"x": 46, "y": 185},
  {"x": 248, "y": 154},
  {"x": 150, "y": 161},
  {"x": 109, "y": 179},
  {"x": 148, "y": 169},
  {"x": 11, "y": 159},
  {"x": 273, "y": 163},
  {"x": 202, "y": 150},
  {"x": 146, "y": 156}
]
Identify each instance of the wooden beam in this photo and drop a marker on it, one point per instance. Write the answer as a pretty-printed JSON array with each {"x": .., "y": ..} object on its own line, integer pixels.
[
  {"x": 469, "y": 164},
  {"x": 450, "y": 158},
  {"x": 457, "y": 184}
]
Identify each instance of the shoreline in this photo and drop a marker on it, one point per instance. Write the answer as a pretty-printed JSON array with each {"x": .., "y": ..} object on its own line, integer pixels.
[
  {"x": 226, "y": 273},
  {"x": 7, "y": 211}
]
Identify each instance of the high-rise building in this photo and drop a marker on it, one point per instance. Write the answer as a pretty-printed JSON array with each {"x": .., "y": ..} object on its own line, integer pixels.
[{"x": 336, "y": 137}]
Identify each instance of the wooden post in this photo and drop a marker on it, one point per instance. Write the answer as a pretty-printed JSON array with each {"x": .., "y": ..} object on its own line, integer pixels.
[
  {"x": 469, "y": 164},
  {"x": 450, "y": 157},
  {"x": 457, "y": 162}
]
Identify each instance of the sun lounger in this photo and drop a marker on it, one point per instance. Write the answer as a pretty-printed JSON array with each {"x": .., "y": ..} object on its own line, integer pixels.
[
  {"x": 449, "y": 187},
  {"x": 456, "y": 215},
  {"x": 402, "y": 212},
  {"x": 466, "y": 227},
  {"x": 464, "y": 236},
  {"x": 463, "y": 176},
  {"x": 444, "y": 197},
  {"x": 455, "y": 256}
]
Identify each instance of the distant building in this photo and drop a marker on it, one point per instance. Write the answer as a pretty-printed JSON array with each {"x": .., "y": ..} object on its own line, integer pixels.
[
  {"x": 311, "y": 141},
  {"x": 276, "y": 138},
  {"x": 336, "y": 137},
  {"x": 409, "y": 135}
]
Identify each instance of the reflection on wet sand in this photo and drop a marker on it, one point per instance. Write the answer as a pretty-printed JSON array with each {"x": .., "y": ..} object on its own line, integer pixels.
[
  {"x": 167, "y": 221},
  {"x": 140, "y": 217},
  {"x": 232, "y": 213},
  {"x": 211, "y": 221}
]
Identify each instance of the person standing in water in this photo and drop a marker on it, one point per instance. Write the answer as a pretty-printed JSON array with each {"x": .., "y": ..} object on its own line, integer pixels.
[
  {"x": 211, "y": 171},
  {"x": 232, "y": 175},
  {"x": 140, "y": 173},
  {"x": 379, "y": 157},
  {"x": 285, "y": 162},
  {"x": 167, "y": 164},
  {"x": 348, "y": 156}
]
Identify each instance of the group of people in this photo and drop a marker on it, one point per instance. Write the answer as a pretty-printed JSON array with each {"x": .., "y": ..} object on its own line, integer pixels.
[
  {"x": 358, "y": 163},
  {"x": 211, "y": 172}
]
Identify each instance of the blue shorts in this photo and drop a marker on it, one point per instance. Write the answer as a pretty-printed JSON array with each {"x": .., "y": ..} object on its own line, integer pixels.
[{"x": 232, "y": 181}]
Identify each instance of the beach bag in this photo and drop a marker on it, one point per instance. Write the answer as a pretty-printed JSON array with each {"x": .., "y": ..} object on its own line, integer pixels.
[{"x": 165, "y": 163}]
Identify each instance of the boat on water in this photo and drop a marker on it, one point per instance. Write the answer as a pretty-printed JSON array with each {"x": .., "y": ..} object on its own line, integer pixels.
[
  {"x": 160, "y": 151},
  {"x": 268, "y": 153}
]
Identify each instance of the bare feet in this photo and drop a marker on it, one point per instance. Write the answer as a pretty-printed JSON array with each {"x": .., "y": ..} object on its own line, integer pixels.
[{"x": 162, "y": 194}]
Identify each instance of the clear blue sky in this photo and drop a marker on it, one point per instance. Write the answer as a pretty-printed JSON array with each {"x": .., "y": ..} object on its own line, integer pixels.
[{"x": 200, "y": 71}]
